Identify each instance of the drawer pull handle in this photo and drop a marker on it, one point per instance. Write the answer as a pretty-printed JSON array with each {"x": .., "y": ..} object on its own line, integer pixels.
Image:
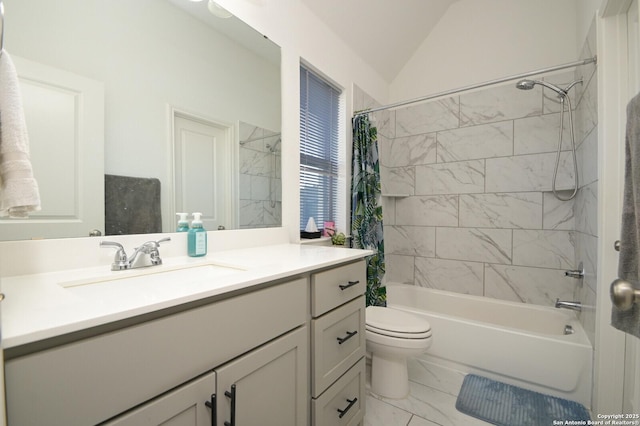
[
  {"x": 349, "y": 284},
  {"x": 231, "y": 395},
  {"x": 212, "y": 404},
  {"x": 350, "y": 334},
  {"x": 343, "y": 412}
]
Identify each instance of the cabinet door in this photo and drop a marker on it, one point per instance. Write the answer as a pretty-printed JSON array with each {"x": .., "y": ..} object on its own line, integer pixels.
[
  {"x": 185, "y": 406},
  {"x": 268, "y": 386}
]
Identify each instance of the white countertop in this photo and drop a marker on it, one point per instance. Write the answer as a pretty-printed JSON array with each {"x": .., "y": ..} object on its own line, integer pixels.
[{"x": 38, "y": 306}]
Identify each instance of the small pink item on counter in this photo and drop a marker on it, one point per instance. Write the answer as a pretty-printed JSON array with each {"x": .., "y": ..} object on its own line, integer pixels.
[{"x": 329, "y": 229}]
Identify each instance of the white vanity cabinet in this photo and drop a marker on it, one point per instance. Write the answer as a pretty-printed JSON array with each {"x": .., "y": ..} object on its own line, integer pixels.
[
  {"x": 284, "y": 349},
  {"x": 94, "y": 379},
  {"x": 338, "y": 345}
]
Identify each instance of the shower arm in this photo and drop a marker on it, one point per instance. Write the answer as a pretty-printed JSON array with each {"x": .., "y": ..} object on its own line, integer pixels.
[{"x": 569, "y": 87}]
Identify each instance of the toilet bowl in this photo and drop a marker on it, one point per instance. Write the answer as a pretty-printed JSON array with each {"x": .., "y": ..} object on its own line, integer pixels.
[{"x": 392, "y": 337}]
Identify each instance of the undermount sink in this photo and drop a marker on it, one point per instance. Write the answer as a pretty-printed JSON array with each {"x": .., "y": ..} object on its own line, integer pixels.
[{"x": 158, "y": 275}]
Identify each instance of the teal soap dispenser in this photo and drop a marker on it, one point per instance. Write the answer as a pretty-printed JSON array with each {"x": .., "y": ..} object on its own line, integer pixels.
[
  {"x": 197, "y": 237},
  {"x": 183, "y": 223}
]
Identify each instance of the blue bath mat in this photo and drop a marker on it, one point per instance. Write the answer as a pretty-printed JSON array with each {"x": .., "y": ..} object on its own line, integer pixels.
[{"x": 507, "y": 405}]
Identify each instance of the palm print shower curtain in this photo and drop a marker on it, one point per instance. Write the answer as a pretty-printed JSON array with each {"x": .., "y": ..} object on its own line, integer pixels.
[{"x": 366, "y": 208}]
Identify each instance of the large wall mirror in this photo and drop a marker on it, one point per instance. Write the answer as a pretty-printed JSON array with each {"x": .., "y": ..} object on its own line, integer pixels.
[{"x": 143, "y": 109}]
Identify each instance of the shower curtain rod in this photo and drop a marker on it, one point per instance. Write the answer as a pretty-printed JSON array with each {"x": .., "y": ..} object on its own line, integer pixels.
[{"x": 477, "y": 86}]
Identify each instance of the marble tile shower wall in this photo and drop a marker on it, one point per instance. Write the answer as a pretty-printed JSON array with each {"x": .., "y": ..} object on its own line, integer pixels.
[
  {"x": 260, "y": 178},
  {"x": 472, "y": 211}
]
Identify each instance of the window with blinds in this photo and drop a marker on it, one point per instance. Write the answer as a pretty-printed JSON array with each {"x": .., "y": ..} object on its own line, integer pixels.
[{"x": 319, "y": 122}]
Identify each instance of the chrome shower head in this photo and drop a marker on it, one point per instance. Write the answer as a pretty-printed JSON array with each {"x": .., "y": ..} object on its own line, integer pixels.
[
  {"x": 525, "y": 84},
  {"x": 528, "y": 85}
]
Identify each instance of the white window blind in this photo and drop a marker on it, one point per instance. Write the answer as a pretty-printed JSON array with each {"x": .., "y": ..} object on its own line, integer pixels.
[{"x": 319, "y": 130}]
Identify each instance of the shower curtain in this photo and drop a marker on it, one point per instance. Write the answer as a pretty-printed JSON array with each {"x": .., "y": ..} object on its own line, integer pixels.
[{"x": 366, "y": 208}]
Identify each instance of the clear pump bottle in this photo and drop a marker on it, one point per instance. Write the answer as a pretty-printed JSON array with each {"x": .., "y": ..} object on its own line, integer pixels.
[{"x": 197, "y": 237}]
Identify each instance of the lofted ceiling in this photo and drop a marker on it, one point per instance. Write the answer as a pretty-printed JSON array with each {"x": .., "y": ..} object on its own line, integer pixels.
[{"x": 384, "y": 33}]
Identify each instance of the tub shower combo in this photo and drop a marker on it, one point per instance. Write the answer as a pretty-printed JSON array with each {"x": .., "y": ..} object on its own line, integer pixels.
[
  {"x": 479, "y": 222},
  {"x": 524, "y": 345}
]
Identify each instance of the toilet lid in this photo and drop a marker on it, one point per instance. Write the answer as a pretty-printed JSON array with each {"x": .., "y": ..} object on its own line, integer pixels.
[{"x": 396, "y": 323}]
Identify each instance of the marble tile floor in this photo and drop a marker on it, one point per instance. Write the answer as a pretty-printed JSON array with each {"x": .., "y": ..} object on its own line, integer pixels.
[{"x": 431, "y": 402}]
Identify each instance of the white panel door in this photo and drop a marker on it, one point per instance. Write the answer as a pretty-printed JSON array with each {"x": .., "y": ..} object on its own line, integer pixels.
[
  {"x": 631, "y": 393},
  {"x": 203, "y": 171},
  {"x": 65, "y": 122}
]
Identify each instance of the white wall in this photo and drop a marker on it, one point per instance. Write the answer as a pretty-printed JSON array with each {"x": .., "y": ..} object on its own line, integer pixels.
[
  {"x": 481, "y": 40},
  {"x": 586, "y": 12},
  {"x": 302, "y": 35}
]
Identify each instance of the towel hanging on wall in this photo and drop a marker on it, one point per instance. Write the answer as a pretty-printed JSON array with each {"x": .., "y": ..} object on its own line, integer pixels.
[
  {"x": 19, "y": 194},
  {"x": 628, "y": 262}
]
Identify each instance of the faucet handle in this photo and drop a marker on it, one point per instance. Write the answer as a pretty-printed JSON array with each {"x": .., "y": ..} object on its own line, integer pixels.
[
  {"x": 154, "y": 244},
  {"x": 154, "y": 254},
  {"x": 574, "y": 273},
  {"x": 120, "y": 261},
  {"x": 163, "y": 240}
]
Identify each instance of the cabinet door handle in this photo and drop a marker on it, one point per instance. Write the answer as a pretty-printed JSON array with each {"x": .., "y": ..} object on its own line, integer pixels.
[
  {"x": 349, "y": 284},
  {"x": 351, "y": 403},
  {"x": 350, "y": 334},
  {"x": 214, "y": 413},
  {"x": 232, "y": 396}
]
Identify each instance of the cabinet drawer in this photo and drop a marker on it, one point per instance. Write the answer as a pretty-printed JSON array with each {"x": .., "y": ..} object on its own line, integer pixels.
[
  {"x": 346, "y": 397},
  {"x": 338, "y": 341},
  {"x": 336, "y": 286}
]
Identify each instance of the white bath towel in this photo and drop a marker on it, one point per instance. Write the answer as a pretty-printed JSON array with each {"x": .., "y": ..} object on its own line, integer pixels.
[{"x": 19, "y": 193}]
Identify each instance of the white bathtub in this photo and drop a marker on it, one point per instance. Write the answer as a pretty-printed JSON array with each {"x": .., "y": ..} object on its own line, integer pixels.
[{"x": 516, "y": 343}]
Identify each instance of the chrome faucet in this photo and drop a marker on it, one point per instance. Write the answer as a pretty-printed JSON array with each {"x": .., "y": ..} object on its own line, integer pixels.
[
  {"x": 145, "y": 255},
  {"x": 150, "y": 248},
  {"x": 576, "y": 306}
]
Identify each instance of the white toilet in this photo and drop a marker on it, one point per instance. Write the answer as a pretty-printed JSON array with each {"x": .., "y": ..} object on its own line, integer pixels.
[{"x": 392, "y": 337}]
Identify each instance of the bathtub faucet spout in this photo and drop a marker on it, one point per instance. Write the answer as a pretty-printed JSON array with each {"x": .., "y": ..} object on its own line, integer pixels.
[{"x": 576, "y": 306}]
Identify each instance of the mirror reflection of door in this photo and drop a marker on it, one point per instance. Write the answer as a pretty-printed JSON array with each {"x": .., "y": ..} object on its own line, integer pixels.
[
  {"x": 203, "y": 170},
  {"x": 64, "y": 113}
]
